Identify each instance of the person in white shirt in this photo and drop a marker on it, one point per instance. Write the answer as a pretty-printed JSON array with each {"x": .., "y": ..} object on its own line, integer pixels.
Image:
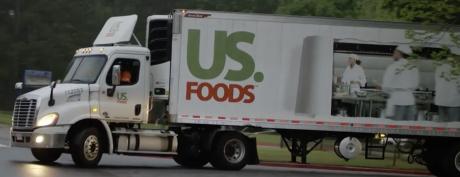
[
  {"x": 400, "y": 80},
  {"x": 354, "y": 74},
  {"x": 447, "y": 87}
]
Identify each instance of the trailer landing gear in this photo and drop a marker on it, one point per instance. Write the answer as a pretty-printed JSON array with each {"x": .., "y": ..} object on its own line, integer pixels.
[{"x": 298, "y": 146}]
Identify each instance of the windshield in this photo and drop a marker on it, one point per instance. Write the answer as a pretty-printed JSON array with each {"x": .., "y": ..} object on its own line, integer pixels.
[{"x": 85, "y": 69}]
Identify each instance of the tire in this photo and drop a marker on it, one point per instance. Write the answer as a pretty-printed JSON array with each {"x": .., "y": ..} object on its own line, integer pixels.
[
  {"x": 46, "y": 155},
  {"x": 190, "y": 154},
  {"x": 451, "y": 160},
  {"x": 188, "y": 162},
  {"x": 86, "y": 148},
  {"x": 434, "y": 165},
  {"x": 433, "y": 160},
  {"x": 230, "y": 151}
]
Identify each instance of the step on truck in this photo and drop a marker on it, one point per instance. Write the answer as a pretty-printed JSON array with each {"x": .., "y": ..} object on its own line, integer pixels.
[{"x": 215, "y": 78}]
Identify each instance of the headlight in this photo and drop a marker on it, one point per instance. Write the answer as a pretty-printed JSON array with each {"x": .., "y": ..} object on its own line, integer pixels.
[{"x": 49, "y": 119}]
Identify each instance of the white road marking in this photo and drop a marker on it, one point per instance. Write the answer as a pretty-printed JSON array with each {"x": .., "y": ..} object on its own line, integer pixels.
[{"x": 4, "y": 146}]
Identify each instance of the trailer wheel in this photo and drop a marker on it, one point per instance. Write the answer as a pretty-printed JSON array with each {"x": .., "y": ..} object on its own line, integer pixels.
[
  {"x": 46, "y": 155},
  {"x": 433, "y": 161},
  {"x": 86, "y": 148},
  {"x": 230, "y": 151},
  {"x": 451, "y": 161}
]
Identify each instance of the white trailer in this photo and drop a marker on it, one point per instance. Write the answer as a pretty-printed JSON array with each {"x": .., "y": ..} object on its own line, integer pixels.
[{"x": 212, "y": 75}]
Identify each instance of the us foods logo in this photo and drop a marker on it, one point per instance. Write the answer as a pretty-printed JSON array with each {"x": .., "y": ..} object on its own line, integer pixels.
[{"x": 225, "y": 45}]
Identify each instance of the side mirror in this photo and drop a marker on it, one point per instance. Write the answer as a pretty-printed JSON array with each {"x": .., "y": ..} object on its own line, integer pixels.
[
  {"x": 116, "y": 73},
  {"x": 19, "y": 86}
]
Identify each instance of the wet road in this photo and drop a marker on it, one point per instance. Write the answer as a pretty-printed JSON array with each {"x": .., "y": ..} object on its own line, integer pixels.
[{"x": 17, "y": 162}]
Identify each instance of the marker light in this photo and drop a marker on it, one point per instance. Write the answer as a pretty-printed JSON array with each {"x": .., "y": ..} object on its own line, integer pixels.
[
  {"x": 39, "y": 139},
  {"x": 49, "y": 119},
  {"x": 380, "y": 136},
  {"x": 94, "y": 109}
]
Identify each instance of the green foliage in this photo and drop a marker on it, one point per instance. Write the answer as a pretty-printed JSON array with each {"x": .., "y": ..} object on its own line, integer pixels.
[
  {"x": 5, "y": 118},
  {"x": 441, "y": 15},
  {"x": 330, "y": 8},
  {"x": 356, "y": 9}
]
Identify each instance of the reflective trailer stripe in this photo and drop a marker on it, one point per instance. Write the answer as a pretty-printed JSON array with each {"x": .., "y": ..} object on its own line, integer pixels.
[{"x": 322, "y": 123}]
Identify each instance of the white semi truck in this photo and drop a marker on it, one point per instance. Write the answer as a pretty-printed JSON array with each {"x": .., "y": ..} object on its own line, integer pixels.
[{"x": 213, "y": 77}]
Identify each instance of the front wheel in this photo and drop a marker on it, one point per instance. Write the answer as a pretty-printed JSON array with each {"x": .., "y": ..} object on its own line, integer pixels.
[
  {"x": 86, "y": 148},
  {"x": 230, "y": 152},
  {"x": 46, "y": 155}
]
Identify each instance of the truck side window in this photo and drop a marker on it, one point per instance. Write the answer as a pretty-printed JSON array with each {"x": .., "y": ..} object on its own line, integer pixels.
[{"x": 129, "y": 71}]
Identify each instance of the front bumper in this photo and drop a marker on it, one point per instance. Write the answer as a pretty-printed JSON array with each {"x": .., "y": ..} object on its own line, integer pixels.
[{"x": 53, "y": 137}]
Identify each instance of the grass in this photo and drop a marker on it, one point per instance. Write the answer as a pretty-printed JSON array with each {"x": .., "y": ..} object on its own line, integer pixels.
[
  {"x": 271, "y": 151},
  {"x": 5, "y": 118},
  {"x": 329, "y": 158}
]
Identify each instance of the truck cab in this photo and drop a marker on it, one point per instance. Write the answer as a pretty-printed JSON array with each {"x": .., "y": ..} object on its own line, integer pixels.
[{"x": 108, "y": 88}]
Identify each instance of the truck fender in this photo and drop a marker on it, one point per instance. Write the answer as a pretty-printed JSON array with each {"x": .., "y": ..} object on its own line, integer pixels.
[
  {"x": 100, "y": 124},
  {"x": 252, "y": 149}
]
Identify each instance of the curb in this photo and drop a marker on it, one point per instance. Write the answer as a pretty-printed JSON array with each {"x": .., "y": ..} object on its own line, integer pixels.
[{"x": 344, "y": 168}]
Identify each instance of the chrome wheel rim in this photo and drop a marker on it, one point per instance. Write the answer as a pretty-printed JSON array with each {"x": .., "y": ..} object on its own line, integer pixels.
[
  {"x": 457, "y": 161},
  {"x": 234, "y": 151},
  {"x": 91, "y": 147}
]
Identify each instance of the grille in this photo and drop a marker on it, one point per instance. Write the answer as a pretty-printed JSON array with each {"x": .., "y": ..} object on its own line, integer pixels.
[{"x": 24, "y": 113}]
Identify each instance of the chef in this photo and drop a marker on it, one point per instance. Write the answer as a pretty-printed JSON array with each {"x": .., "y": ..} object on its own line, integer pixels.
[
  {"x": 354, "y": 74},
  {"x": 447, "y": 93},
  {"x": 400, "y": 80}
]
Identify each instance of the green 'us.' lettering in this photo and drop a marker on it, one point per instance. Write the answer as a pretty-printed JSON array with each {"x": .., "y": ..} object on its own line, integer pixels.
[{"x": 224, "y": 45}]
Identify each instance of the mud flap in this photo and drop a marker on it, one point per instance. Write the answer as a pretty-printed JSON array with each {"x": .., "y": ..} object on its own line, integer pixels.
[{"x": 253, "y": 158}]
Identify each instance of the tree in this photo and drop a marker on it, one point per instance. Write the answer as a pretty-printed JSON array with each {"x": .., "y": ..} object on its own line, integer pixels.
[
  {"x": 441, "y": 16},
  {"x": 330, "y": 8}
]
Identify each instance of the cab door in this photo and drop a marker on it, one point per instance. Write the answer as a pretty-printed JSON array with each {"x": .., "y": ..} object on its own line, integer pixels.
[{"x": 127, "y": 101}]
